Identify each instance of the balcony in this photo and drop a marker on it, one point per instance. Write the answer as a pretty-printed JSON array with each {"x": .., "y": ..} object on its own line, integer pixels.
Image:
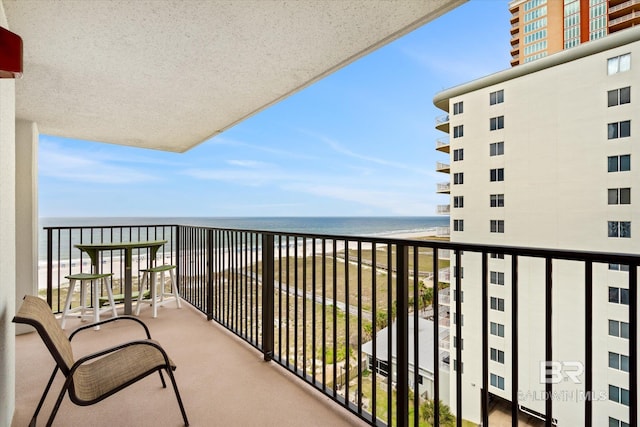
[
  {"x": 442, "y": 145},
  {"x": 442, "y": 123},
  {"x": 443, "y": 187},
  {"x": 443, "y": 209},
  {"x": 306, "y": 303},
  {"x": 443, "y": 167},
  {"x": 443, "y": 231},
  {"x": 625, "y": 21},
  {"x": 623, "y": 8}
]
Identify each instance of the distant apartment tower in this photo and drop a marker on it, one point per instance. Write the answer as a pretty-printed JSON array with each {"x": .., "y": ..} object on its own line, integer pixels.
[
  {"x": 544, "y": 155},
  {"x": 542, "y": 27}
]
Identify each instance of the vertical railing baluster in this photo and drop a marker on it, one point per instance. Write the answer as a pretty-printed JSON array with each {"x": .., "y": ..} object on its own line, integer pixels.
[
  {"x": 267, "y": 295},
  {"x": 458, "y": 338},
  {"x": 633, "y": 345},
  {"x": 334, "y": 282},
  {"x": 548, "y": 348},
  {"x": 402, "y": 334},
  {"x": 485, "y": 342},
  {"x": 359, "y": 344},
  {"x": 416, "y": 338},
  {"x": 346, "y": 318},
  {"x": 514, "y": 341},
  {"x": 588, "y": 335},
  {"x": 390, "y": 335},
  {"x": 374, "y": 330},
  {"x": 50, "y": 269},
  {"x": 436, "y": 337},
  {"x": 209, "y": 275}
]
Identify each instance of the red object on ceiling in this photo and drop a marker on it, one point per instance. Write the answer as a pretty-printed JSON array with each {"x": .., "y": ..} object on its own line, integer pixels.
[{"x": 10, "y": 54}]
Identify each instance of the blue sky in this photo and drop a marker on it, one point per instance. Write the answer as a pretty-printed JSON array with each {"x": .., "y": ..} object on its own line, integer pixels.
[{"x": 361, "y": 142}]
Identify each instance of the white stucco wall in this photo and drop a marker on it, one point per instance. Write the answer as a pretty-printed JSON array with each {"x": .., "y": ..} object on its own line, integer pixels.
[
  {"x": 26, "y": 213},
  {"x": 7, "y": 245}
]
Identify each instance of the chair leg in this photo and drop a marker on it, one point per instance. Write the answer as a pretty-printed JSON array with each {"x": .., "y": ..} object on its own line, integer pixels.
[
  {"x": 44, "y": 395},
  {"x": 59, "y": 401},
  {"x": 174, "y": 287},
  {"x": 95, "y": 288},
  {"x": 112, "y": 303},
  {"x": 175, "y": 389},
  {"x": 141, "y": 292},
  {"x": 154, "y": 295},
  {"x": 67, "y": 302}
]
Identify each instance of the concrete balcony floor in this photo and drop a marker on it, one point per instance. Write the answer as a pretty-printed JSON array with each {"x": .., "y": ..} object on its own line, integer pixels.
[{"x": 222, "y": 380}]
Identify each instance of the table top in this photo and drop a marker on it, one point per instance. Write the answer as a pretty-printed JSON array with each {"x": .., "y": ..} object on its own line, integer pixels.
[{"x": 120, "y": 245}]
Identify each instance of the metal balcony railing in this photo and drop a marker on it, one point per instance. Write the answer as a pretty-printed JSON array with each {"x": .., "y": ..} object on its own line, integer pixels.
[
  {"x": 442, "y": 143},
  {"x": 443, "y": 167},
  {"x": 621, "y": 6},
  {"x": 343, "y": 313},
  {"x": 442, "y": 119},
  {"x": 444, "y": 209},
  {"x": 443, "y": 187},
  {"x": 628, "y": 17}
]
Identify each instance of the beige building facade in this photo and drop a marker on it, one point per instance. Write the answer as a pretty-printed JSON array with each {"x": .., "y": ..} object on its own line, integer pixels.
[{"x": 543, "y": 155}]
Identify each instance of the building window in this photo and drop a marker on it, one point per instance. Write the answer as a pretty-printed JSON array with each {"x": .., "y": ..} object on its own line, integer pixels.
[
  {"x": 497, "y": 355},
  {"x": 497, "y": 304},
  {"x": 497, "y": 329},
  {"x": 619, "y": 228},
  {"x": 619, "y": 96},
  {"x": 619, "y": 196},
  {"x": 458, "y": 178},
  {"x": 619, "y": 163},
  {"x": 619, "y": 267},
  {"x": 619, "y": 395},
  {"x": 618, "y": 329},
  {"x": 457, "y": 108},
  {"x": 496, "y": 123},
  {"x": 458, "y": 225},
  {"x": 617, "y": 130},
  {"x": 458, "y": 154},
  {"x": 458, "y": 131},
  {"x": 496, "y": 97},
  {"x": 496, "y": 200},
  {"x": 498, "y": 382},
  {"x": 496, "y": 278},
  {"x": 618, "y": 295},
  {"x": 619, "y": 64},
  {"x": 496, "y": 256},
  {"x": 496, "y": 226},
  {"x": 618, "y": 361},
  {"x": 496, "y": 149},
  {"x": 496, "y": 174},
  {"x": 458, "y": 201},
  {"x": 614, "y": 422}
]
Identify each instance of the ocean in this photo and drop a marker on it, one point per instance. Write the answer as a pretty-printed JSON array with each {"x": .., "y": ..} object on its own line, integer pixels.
[{"x": 349, "y": 226}]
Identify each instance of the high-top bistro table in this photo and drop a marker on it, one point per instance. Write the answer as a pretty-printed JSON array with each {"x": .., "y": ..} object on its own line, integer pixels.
[{"x": 93, "y": 249}]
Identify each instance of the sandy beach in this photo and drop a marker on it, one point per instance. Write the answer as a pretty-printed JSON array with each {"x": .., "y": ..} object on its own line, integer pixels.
[{"x": 77, "y": 265}]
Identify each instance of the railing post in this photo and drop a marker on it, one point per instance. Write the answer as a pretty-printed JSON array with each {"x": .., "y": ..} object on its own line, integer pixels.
[
  {"x": 267, "y": 295},
  {"x": 50, "y": 267},
  {"x": 402, "y": 334},
  {"x": 210, "y": 272}
]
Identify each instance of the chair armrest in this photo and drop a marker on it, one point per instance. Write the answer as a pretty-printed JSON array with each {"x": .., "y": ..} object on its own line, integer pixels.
[
  {"x": 111, "y": 319},
  {"x": 109, "y": 350}
]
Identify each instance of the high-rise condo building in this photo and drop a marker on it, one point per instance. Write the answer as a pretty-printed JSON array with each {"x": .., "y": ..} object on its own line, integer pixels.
[
  {"x": 542, "y": 27},
  {"x": 544, "y": 155}
]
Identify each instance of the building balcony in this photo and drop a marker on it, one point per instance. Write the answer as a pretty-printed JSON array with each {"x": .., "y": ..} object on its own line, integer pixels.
[
  {"x": 625, "y": 21},
  {"x": 443, "y": 167},
  {"x": 443, "y": 187},
  {"x": 442, "y": 123},
  {"x": 442, "y": 145},
  {"x": 623, "y": 8},
  {"x": 443, "y": 209},
  {"x": 285, "y": 307},
  {"x": 515, "y": 18},
  {"x": 443, "y": 231}
]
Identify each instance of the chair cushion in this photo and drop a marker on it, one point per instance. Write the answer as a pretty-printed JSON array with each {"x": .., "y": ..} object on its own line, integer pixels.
[{"x": 92, "y": 381}]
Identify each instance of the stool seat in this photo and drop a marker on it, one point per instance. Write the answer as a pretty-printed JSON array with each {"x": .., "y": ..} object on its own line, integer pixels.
[
  {"x": 155, "y": 296},
  {"x": 97, "y": 280}
]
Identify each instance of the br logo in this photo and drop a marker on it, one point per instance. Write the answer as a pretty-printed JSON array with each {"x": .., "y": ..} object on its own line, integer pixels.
[{"x": 555, "y": 372}]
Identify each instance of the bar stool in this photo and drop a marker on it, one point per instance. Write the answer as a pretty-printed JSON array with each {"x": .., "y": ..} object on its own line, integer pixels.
[
  {"x": 158, "y": 298},
  {"x": 96, "y": 281}
]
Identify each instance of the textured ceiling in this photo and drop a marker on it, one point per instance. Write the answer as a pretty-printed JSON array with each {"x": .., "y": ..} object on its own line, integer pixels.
[{"x": 171, "y": 74}]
